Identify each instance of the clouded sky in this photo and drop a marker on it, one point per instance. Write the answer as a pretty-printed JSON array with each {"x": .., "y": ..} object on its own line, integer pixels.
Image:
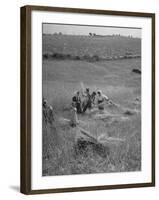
[{"x": 85, "y": 30}]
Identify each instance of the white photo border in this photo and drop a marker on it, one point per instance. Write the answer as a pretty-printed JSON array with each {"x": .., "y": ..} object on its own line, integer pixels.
[{"x": 38, "y": 182}]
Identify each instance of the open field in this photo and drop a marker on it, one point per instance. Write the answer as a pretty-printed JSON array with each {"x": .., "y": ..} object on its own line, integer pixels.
[
  {"x": 62, "y": 154},
  {"x": 86, "y": 47},
  {"x": 69, "y": 60}
]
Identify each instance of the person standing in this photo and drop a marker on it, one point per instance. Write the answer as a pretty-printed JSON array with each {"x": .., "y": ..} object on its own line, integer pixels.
[
  {"x": 73, "y": 116},
  {"x": 50, "y": 114},
  {"x": 77, "y": 100},
  {"x": 88, "y": 101},
  {"x": 45, "y": 110}
]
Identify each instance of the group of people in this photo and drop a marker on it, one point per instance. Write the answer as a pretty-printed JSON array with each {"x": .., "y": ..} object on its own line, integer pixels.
[
  {"x": 81, "y": 102},
  {"x": 84, "y": 101}
]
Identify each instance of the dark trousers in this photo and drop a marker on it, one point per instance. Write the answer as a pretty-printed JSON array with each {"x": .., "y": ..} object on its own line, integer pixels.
[
  {"x": 78, "y": 106},
  {"x": 87, "y": 106}
]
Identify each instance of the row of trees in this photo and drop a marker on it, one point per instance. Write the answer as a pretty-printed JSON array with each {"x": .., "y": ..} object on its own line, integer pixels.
[
  {"x": 113, "y": 35},
  {"x": 96, "y": 35}
]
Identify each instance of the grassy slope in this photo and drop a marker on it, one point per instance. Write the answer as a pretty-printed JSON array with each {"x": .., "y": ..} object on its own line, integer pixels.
[
  {"x": 85, "y": 45},
  {"x": 60, "y": 80}
]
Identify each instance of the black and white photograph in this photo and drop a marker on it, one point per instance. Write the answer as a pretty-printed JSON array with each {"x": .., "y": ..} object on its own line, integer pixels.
[
  {"x": 91, "y": 99},
  {"x": 87, "y": 99}
]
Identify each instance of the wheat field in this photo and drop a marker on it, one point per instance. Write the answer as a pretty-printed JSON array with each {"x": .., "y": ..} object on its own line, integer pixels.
[{"x": 63, "y": 153}]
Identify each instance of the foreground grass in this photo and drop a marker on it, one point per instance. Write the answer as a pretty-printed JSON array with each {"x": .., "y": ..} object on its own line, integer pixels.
[{"x": 63, "y": 153}]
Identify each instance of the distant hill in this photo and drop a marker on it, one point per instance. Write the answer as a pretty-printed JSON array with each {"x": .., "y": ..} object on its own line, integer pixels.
[{"x": 80, "y": 45}]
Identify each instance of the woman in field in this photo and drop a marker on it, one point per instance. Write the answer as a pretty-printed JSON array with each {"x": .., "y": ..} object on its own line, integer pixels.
[
  {"x": 73, "y": 115},
  {"x": 48, "y": 114},
  {"x": 101, "y": 99}
]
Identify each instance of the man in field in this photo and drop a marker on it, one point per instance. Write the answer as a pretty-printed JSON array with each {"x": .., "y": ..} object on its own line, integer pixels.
[
  {"x": 77, "y": 101},
  {"x": 88, "y": 102},
  {"x": 93, "y": 97}
]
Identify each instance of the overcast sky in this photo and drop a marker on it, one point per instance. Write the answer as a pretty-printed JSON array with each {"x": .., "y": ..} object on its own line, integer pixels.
[{"x": 85, "y": 30}]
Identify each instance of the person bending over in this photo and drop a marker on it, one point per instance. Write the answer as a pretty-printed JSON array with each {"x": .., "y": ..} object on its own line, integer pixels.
[{"x": 101, "y": 100}]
